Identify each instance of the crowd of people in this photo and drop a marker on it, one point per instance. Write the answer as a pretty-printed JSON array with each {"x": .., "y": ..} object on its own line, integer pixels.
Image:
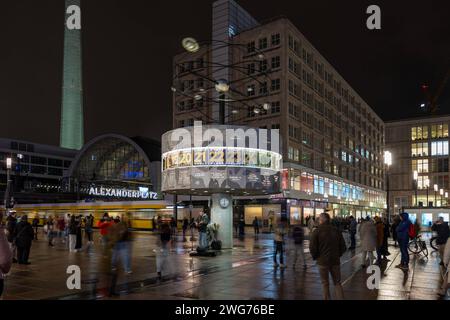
[
  {"x": 328, "y": 244},
  {"x": 329, "y": 239}
]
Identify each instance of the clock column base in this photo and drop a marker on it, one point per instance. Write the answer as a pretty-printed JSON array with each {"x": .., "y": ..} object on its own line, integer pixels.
[{"x": 224, "y": 218}]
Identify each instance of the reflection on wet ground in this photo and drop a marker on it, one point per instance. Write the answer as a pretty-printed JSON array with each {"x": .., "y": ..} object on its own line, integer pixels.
[{"x": 246, "y": 272}]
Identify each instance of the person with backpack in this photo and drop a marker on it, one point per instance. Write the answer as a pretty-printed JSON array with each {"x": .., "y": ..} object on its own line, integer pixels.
[
  {"x": 298, "y": 235},
  {"x": 405, "y": 230},
  {"x": 6, "y": 256},
  {"x": 163, "y": 252},
  {"x": 24, "y": 236}
]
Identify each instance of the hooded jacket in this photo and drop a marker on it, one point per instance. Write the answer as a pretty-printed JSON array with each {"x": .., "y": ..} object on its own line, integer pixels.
[{"x": 403, "y": 227}]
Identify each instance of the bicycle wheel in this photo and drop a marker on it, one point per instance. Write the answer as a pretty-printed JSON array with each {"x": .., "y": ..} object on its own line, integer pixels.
[
  {"x": 424, "y": 248},
  {"x": 434, "y": 244},
  {"x": 413, "y": 247}
]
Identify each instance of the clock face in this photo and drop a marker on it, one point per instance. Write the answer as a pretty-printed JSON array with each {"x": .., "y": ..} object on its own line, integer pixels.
[{"x": 224, "y": 202}]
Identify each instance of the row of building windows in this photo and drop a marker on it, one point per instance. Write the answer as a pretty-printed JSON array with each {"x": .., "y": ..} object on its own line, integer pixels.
[
  {"x": 423, "y": 165},
  {"x": 435, "y": 131},
  {"x": 263, "y": 44},
  {"x": 310, "y": 183},
  {"x": 421, "y": 149},
  {"x": 328, "y": 77}
]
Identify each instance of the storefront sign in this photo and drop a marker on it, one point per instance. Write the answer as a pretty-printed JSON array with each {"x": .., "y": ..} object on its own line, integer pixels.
[{"x": 142, "y": 193}]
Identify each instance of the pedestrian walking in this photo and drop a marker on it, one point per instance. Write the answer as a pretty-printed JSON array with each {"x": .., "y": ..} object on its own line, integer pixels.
[
  {"x": 443, "y": 233},
  {"x": 11, "y": 223},
  {"x": 185, "y": 227},
  {"x": 445, "y": 270},
  {"x": 403, "y": 240},
  {"x": 173, "y": 228},
  {"x": 79, "y": 237},
  {"x": 368, "y": 236},
  {"x": 279, "y": 234},
  {"x": 162, "y": 252},
  {"x": 6, "y": 256},
  {"x": 379, "y": 226},
  {"x": 192, "y": 227},
  {"x": 24, "y": 236},
  {"x": 298, "y": 235},
  {"x": 386, "y": 234},
  {"x": 353, "y": 225},
  {"x": 89, "y": 229},
  {"x": 72, "y": 234},
  {"x": 35, "y": 224},
  {"x": 256, "y": 226},
  {"x": 394, "y": 229},
  {"x": 326, "y": 246}
]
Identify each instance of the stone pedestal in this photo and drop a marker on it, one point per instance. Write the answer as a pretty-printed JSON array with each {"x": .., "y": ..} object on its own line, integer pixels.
[{"x": 224, "y": 218}]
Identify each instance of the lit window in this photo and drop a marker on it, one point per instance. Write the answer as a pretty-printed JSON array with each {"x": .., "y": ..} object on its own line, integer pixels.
[{"x": 439, "y": 148}]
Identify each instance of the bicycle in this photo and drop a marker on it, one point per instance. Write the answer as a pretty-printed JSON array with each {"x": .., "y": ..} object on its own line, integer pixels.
[
  {"x": 418, "y": 246},
  {"x": 433, "y": 243}
]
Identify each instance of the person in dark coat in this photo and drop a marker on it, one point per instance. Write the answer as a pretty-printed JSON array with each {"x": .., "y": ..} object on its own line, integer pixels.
[
  {"x": 327, "y": 245},
  {"x": 11, "y": 223},
  {"x": 385, "y": 252},
  {"x": 443, "y": 233},
  {"x": 403, "y": 240},
  {"x": 78, "y": 243},
  {"x": 24, "y": 236},
  {"x": 394, "y": 229},
  {"x": 352, "y": 228}
]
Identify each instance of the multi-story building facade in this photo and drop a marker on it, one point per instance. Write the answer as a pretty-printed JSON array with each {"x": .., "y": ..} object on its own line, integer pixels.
[
  {"x": 36, "y": 167},
  {"x": 332, "y": 140},
  {"x": 418, "y": 145}
]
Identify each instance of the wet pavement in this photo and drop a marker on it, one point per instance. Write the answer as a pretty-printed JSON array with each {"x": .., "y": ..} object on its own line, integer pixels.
[{"x": 246, "y": 272}]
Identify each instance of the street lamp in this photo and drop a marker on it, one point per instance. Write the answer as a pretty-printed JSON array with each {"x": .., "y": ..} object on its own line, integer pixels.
[
  {"x": 8, "y": 182},
  {"x": 388, "y": 163},
  {"x": 427, "y": 186},
  {"x": 436, "y": 188},
  {"x": 415, "y": 177},
  {"x": 441, "y": 192}
]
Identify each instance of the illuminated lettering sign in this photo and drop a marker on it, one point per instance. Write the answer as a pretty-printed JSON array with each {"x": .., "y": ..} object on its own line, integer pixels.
[{"x": 142, "y": 193}]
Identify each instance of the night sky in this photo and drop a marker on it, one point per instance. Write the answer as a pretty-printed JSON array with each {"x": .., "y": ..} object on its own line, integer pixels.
[{"x": 128, "y": 47}]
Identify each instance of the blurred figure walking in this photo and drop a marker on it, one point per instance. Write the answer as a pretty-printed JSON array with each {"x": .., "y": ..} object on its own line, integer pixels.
[
  {"x": 380, "y": 238},
  {"x": 24, "y": 235},
  {"x": 256, "y": 227},
  {"x": 72, "y": 234},
  {"x": 11, "y": 223},
  {"x": 5, "y": 256},
  {"x": 403, "y": 240},
  {"x": 35, "y": 225},
  {"x": 298, "y": 235},
  {"x": 280, "y": 232},
  {"x": 326, "y": 246},
  {"x": 162, "y": 252},
  {"x": 368, "y": 235},
  {"x": 352, "y": 228}
]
